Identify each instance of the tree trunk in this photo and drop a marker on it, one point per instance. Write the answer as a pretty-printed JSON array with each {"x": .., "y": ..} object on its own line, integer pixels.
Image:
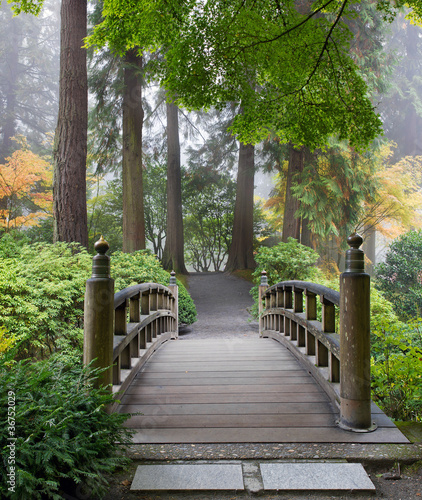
[
  {"x": 70, "y": 142},
  {"x": 291, "y": 224},
  {"x": 173, "y": 255},
  {"x": 133, "y": 117},
  {"x": 241, "y": 248},
  {"x": 306, "y": 235}
]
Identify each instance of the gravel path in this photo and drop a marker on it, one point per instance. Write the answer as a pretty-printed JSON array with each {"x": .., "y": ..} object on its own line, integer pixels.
[{"x": 222, "y": 302}]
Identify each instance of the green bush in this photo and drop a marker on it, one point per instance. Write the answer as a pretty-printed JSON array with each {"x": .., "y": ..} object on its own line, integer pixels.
[
  {"x": 143, "y": 267},
  {"x": 284, "y": 262},
  {"x": 396, "y": 367},
  {"x": 42, "y": 289},
  {"x": 400, "y": 276},
  {"x": 58, "y": 437}
]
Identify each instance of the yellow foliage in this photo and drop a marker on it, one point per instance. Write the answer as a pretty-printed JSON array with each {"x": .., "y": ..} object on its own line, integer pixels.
[
  {"x": 5, "y": 342},
  {"x": 396, "y": 208},
  {"x": 25, "y": 177}
]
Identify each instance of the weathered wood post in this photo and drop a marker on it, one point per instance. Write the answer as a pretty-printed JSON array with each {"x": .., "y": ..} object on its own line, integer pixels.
[
  {"x": 355, "y": 357},
  {"x": 263, "y": 285},
  {"x": 175, "y": 290},
  {"x": 99, "y": 315}
]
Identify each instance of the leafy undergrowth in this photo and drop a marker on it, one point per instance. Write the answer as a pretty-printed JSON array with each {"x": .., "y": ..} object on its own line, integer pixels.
[{"x": 59, "y": 438}]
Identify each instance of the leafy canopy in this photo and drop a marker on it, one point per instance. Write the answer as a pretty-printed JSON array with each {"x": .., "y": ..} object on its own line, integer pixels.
[{"x": 287, "y": 63}]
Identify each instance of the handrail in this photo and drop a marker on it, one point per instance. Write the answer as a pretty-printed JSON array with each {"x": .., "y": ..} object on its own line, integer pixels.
[
  {"x": 145, "y": 316},
  {"x": 122, "y": 330},
  {"x": 344, "y": 373},
  {"x": 321, "y": 290},
  {"x": 315, "y": 342}
]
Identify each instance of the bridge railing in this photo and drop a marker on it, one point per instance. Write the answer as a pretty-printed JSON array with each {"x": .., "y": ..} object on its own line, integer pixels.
[
  {"x": 336, "y": 353},
  {"x": 122, "y": 330},
  {"x": 286, "y": 318},
  {"x": 144, "y": 317}
]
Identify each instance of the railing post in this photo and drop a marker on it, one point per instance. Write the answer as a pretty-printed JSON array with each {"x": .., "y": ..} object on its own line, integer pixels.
[
  {"x": 175, "y": 291},
  {"x": 355, "y": 357},
  {"x": 263, "y": 285},
  {"x": 98, "y": 315}
]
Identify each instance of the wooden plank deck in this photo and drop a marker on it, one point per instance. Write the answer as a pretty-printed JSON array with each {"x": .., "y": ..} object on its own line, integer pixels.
[{"x": 235, "y": 391}]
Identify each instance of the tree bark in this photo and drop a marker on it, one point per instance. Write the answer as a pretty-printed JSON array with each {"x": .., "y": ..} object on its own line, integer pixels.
[
  {"x": 173, "y": 255},
  {"x": 306, "y": 234},
  {"x": 241, "y": 248},
  {"x": 291, "y": 224},
  {"x": 70, "y": 142},
  {"x": 133, "y": 117}
]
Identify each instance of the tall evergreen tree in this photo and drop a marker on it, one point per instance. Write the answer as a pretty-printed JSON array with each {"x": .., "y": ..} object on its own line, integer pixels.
[
  {"x": 70, "y": 142},
  {"x": 173, "y": 255},
  {"x": 241, "y": 248},
  {"x": 133, "y": 117}
]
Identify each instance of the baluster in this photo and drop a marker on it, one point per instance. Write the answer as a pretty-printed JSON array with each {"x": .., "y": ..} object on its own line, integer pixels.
[
  {"x": 134, "y": 312},
  {"x": 328, "y": 316},
  {"x": 263, "y": 285},
  {"x": 334, "y": 368},
  {"x": 160, "y": 299},
  {"x": 174, "y": 301},
  {"x": 310, "y": 344},
  {"x": 311, "y": 306},
  {"x": 298, "y": 302},
  {"x": 120, "y": 318},
  {"x": 301, "y": 340},
  {"x": 143, "y": 339},
  {"x": 288, "y": 299},
  {"x": 153, "y": 300},
  {"x": 125, "y": 359},
  {"x": 145, "y": 303},
  {"x": 321, "y": 354}
]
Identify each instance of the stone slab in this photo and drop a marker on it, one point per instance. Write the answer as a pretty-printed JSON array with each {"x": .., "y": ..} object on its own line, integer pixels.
[
  {"x": 188, "y": 477},
  {"x": 315, "y": 476}
]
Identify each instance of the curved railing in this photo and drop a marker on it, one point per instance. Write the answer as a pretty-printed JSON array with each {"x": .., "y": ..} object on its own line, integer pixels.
[
  {"x": 286, "y": 317},
  {"x": 122, "y": 330},
  {"x": 145, "y": 316}
]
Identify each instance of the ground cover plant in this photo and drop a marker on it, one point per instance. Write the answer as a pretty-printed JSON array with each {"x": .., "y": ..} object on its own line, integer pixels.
[{"x": 63, "y": 439}]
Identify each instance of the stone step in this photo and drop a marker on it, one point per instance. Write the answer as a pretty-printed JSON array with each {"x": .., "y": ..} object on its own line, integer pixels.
[{"x": 253, "y": 476}]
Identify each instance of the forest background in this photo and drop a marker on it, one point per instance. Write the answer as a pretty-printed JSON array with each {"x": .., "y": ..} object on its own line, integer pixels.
[{"x": 160, "y": 147}]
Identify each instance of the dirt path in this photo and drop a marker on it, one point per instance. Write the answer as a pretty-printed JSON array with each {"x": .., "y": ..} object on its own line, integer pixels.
[{"x": 222, "y": 302}]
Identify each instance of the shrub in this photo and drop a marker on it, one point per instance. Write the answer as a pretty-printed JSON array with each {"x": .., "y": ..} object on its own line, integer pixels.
[
  {"x": 400, "y": 276},
  {"x": 42, "y": 289},
  {"x": 143, "y": 267},
  {"x": 64, "y": 437},
  {"x": 283, "y": 262},
  {"x": 41, "y": 296},
  {"x": 396, "y": 366}
]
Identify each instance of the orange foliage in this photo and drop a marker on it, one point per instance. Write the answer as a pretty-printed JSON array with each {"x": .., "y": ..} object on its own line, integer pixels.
[{"x": 25, "y": 189}]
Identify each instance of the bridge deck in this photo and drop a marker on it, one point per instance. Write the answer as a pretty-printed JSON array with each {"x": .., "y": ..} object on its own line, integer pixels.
[{"x": 235, "y": 391}]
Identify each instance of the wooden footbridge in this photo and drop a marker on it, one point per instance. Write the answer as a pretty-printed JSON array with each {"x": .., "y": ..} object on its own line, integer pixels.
[{"x": 292, "y": 384}]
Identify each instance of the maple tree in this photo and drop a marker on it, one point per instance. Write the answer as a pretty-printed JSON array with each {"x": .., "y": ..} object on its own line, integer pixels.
[{"x": 25, "y": 189}]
